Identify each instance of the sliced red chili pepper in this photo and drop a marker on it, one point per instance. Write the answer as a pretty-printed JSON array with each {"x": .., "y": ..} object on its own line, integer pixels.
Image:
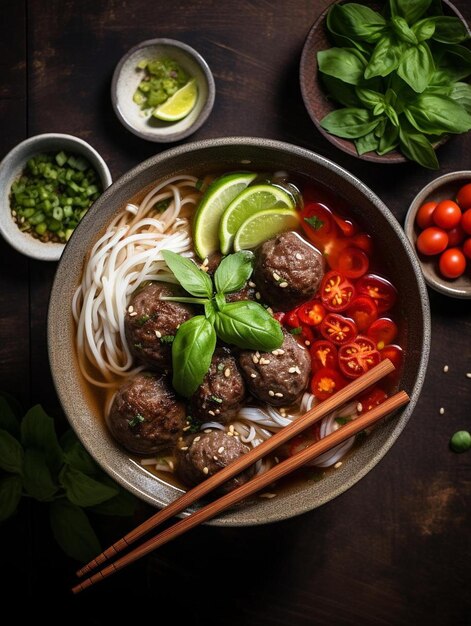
[
  {"x": 353, "y": 262},
  {"x": 326, "y": 382},
  {"x": 338, "y": 329},
  {"x": 381, "y": 290},
  {"x": 323, "y": 354},
  {"x": 347, "y": 227},
  {"x": 301, "y": 442},
  {"x": 291, "y": 319},
  {"x": 336, "y": 291},
  {"x": 306, "y": 336},
  {"x": 383, "y": 331},
  {"x": 395, "y": 354},
  {"x": 364, "y": 242},
  {"x": 374, "y": 396},
  {"x": 318, "y": 223},
  {"x": 311, "y": 313},
  {"x": 279, "y": 316},
  {"x": 363, "y": 311},
  {"x": 357, "y": 357}
]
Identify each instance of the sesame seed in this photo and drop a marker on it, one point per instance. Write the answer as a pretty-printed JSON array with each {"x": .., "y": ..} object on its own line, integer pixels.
[
  {"x": 442, "y": 410},
  {"x": 171, "y": 465},
  {"x": 130, "y": 308},
  {"x": 270, "y": 311},
  {"x": 283, "y": 285},
  {"x": 196, "y": 439},
  {"x": 206, "y": 261},
  {"x": 271, "y": 393},
  {"x": 231, "y": 428},
  {"x": 187, "y": 428},
  {"x": 207, "y": 430},
  {"x": 307, "y": 343},
  {"x": 299, "y": 256},
  {"x": 468, "y": 375},
  {"x": 257, "y": 354},
  {"x": 258, "y": 295},
  {"x": 264, "y": 361},
  {"x": 277, "y": 460},
  {"x": 283, "y": 412},
  {"x": 280, "y": 351},
  {"x": 180, "y": 438},
  {"x": 158, "y": 334},
  {"x": 268, "y": 496},
  {"x": 215, "y": 458},
  {"x": 133, "y": 314},
  {"x": 227, "y": 372},
  {"x": 217, "y": 411},
  {"x": 252, "y": 284},
  {"x": 184, "y": 448},
  {"x": 278, "y": 394},
  {"x": 298, "y": 371},
  {"x": 211, "y": 412},
  {"x": 274, "y": 352},
  {"x": 205, "y": 470},
  {"x": 229, "y": 434},
  {"x": 338, "y": 464},
  {"x": 292, "y": 370},
  {"x": 254, "y": 359},
  {"x": 276, "y": 276},
  {"x": 359, "y": 407},
  {"x": 446, "y": 368},
  {"x": 253, "y": 375},
  {"x": 221, "y": 450},
  {"x": 236, "y": 434}
]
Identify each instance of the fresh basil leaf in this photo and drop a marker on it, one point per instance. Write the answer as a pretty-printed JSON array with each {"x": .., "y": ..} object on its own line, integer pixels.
[
  {"x": 234, "y": 271},
  {"x": 385, "y": 57},
  {"x": 436, "y": 7},
  {"x": 416, "y": 147},
  {"x": 391, "y": 114},
  {"x": 349, "y": 123},
  {"x": 410, "y": 10},
  {"x": 379, "y": 130},
  {"x": 11, "y": 453},
  {"x": 248, "y": 325},
  {"x": 389, "y": 140},
  {"x": 10, "y": 495},
  {"x": 434, "y": 114},
  {"x": 461, "y": 93},
  {"x": 10, "y": 414},
  {"x": 189, "y": 275},
  {"x": 192, "y": 352},
  {"x": 356, "y": 21},
  {"x": 341, "y": 92},
  {"x": 424, "y": 29},
  {"x": 403, "y": 31},
  {"x": 368, "y": 143},
  {"x": 37, "y": 479},
  {"x": 449, "y": 29},
  {"x": 416, "y": 67},
  {"x": 37, "y": 431},
  {"x": 78, "y": 458},
  {"x": 72, "y": 531},
  {"x": 83, "y": 490},
  {"x": 347, "y": 64},
  {"x": 453, "y": 63},
  {"x": 368, "y": 97}
]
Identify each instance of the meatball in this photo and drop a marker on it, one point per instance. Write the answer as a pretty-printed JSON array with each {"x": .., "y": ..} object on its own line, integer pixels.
[
  {"x": 278, "y": 377},
  {"x": 150, "y": 323},
  {"x": 202, "y": 455},
  {"x": 288, "y": 271},
  {"x": 222, "y": 391},
  {"x": 146, "y": 416}
]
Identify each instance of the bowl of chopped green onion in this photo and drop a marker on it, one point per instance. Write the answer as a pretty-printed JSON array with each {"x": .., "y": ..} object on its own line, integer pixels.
[
  {"x": 162, "y": 90},
  {"x": 48, "y": 183}
]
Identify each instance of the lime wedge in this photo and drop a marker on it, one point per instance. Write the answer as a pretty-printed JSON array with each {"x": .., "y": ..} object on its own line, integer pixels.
[
  {"x": 264, "y": 225},
  {"x": 250, "y": 201},
  {"x": 216, "y": 199},
  {"x": 178, "y": 105}
]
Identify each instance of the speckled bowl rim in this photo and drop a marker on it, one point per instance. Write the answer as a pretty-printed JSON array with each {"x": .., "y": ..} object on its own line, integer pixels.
[
  {"x": 247, "y": 515},
  {"x": 205, "y": 111}
]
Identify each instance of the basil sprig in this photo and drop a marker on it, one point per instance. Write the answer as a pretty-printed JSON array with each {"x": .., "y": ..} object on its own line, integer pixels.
[
  {"x": 244, "y": 324},
  {"x": 397, "y": 77}
]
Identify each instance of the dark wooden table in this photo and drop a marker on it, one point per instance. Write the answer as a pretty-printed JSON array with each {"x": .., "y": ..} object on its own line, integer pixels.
[{"x": 394, "y": 549}]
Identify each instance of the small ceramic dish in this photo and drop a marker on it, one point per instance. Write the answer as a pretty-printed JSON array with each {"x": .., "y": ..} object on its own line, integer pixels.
[
  {"x": 127, "y": 77},
  {"x": 442, "y": 188},
  {"x": 11, "y": 168}
]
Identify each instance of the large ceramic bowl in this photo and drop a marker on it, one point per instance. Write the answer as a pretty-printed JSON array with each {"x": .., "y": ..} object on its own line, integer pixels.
[{"x": 401, "y": 266}]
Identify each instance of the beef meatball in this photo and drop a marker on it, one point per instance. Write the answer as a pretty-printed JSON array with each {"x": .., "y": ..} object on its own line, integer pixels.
[
  {"x": 222, "y": 391},
  {"x": 288, "y": 271},
  {"x": 203, "y": 454},
  {"x": 278, "y": 377},
  {"x": 146, "y": 416},
  {"x": 150, "y": 323}
]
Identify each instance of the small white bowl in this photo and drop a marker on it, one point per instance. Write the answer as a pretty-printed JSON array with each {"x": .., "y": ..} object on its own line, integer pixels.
[
  {"x": 442, "y": 188},
  {"x": 11, "y": 168},
  {"x": 126, "y": 79}
]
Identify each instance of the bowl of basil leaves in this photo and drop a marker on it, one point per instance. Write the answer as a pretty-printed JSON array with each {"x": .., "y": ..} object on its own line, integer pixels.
[{"x": 389, "y": 82}]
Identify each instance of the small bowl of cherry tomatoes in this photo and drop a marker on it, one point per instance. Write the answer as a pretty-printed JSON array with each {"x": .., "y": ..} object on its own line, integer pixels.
[{"x": 438, "y": 223}]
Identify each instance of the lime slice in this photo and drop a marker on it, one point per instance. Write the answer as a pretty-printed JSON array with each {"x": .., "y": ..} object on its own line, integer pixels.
[
  {"x": 250, "y": 201},
  {"x": 217, "y": 198},
  {"x": 264, "y": 225},
  {"x": 178, "y": 105}
]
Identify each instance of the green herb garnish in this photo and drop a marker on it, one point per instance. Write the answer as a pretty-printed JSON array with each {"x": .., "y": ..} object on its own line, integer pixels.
[
  {"x": 162, "y": 206},
  {"x": 343, "y": 420},
  {"x": 194, "y": 424},
  {"x": 167, "y": 339},
  {"x": 140, "y": 321},
  {"x": 137, "y": 419},
  {"x": 296, "y": 331},
  {"x": 315, "y": 222},
  {"x": 216, "y": 399}
]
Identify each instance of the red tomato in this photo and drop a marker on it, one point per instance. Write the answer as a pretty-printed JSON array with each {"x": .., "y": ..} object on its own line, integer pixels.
[
  {"x": 357, "y": 357},
  {"x": 424, "y": 217},
  {"x": 382, "y": 332},
  {"x": 311, "y": 313},
  {"x": 379, "y": 289},
  {"x": 466, "y": 222},
  {"x": 432, "y": 240},
  {"x": 353, "y": 262},
  {"x": 374, "y": 396},
  {"x": 455, "y": 236},
  {"x": 323, "y": 354},
  {"x": 338, "y": 329},
  {"x": 467, "y": 248},
  {"x": 363, "y": 311},
  {"x": 336, "y": 291},
  {"x": 362, "y": 241},
  {"x": 291, "y": 319},
  {"x": 452, "y": 263},
  {"x": 464, "y": 196},
  {"x": 326, "y": 382},
  {"x": 447, "y": 214},
  {"x": 395, "y": 355}
]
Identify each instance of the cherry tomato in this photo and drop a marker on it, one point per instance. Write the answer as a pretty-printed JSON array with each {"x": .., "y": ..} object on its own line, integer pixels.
[
  {"x": 424, "y": 217},
  {"x": 379, "y": 289},
  {"x": 326, "y": 382},
  {"x": 395, "y": 355},
  {"x": 447, "y": 214},
  {"x": 467, "y": 248},
  {"x": 455, "y": 236},
  {"x": 452, "y": 263},
  {"x": 338, "y": 329},
  {"x": 311, "y": 313},
  {"x": 362, "y": 241},
  {"x": 432, "y": 240},
  {"x": 323, "y": 354},
  {"x": 363, "y": 311},
  {"x": 336, "y": 291},
  {"x": 466, "y": 222},
  {"x": 464, "y": 196},
  {"x": 291, "y": 319},
  {"x": 357, "y": 357},
  {"x": 353, "y": 262},
  {"x": 374, "y": 396},
  {"x": 382, "y": 332}
]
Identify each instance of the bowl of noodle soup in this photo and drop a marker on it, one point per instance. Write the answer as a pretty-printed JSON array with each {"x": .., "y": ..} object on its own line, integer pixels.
[{"x": 118, "y": 247}]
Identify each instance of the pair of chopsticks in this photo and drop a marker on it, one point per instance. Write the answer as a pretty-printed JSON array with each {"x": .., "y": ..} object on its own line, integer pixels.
[{"x": 255, "y": 484}]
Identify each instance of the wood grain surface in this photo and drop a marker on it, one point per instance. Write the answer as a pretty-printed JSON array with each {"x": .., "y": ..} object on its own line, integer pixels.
[{"x": 394, "y": 550}]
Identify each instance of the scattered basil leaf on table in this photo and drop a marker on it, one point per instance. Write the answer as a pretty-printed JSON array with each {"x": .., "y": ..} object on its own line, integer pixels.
[
  {"x": 10, "y": 413},
  {"x": 38, "y": 431}
]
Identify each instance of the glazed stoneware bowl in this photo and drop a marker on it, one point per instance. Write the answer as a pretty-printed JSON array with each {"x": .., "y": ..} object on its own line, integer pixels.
[{"x": 400, "y": 264}]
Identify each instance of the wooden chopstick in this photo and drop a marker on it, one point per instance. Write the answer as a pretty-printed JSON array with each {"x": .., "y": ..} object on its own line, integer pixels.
[
  {"x": 288, "y": 432},
  {"x": 251, "y": 487}
]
